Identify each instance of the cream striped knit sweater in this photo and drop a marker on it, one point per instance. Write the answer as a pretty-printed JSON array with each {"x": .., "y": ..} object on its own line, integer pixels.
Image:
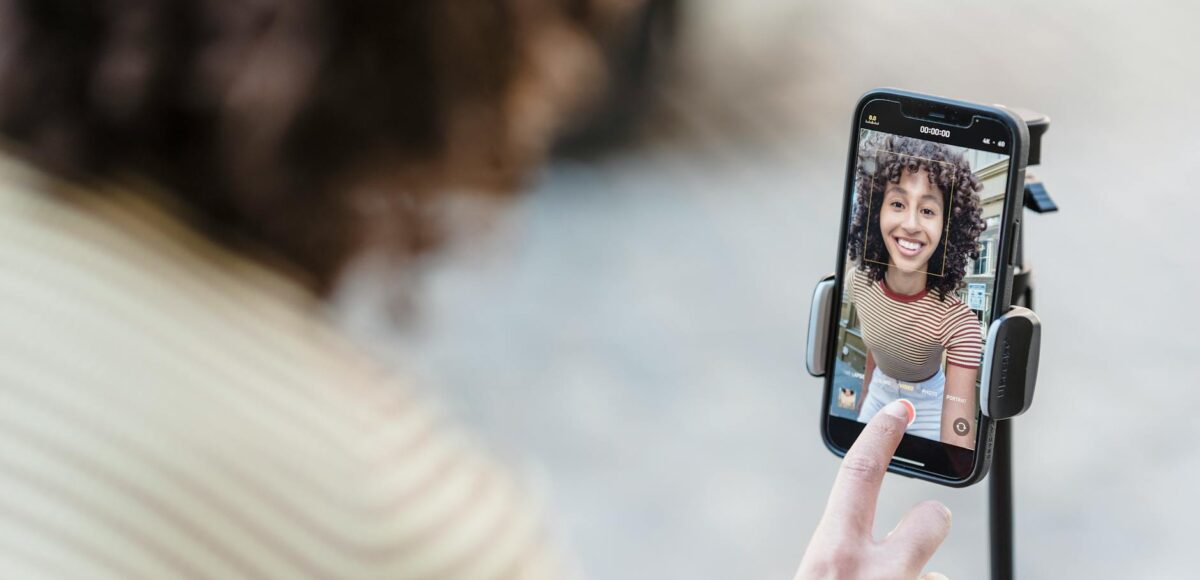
[{"x": 171, "y": 410}]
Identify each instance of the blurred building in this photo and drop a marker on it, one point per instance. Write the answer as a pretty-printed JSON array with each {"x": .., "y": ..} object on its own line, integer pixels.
[{"x": 979, "y": 282}]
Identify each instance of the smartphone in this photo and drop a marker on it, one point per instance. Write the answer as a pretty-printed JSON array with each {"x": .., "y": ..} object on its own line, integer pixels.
[{"x": 924, "y": 264}]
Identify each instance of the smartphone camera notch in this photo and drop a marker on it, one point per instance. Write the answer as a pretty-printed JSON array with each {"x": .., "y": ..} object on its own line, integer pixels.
[
  {"x": 945, "y": 115},
  {"x": 936, "y": 113}
]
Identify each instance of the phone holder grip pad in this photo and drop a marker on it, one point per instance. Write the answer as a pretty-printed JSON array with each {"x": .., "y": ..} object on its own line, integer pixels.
[
  {"x": 1010, "y": 364},
  {"x": 819, "y": 316}
]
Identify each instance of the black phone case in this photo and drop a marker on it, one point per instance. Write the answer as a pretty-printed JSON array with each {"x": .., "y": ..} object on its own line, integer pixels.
[{"x": 1002, "y": 296}]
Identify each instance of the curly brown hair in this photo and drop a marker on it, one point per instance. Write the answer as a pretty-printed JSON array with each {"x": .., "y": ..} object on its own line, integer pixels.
[
  {"x": 882, "y": 159},
  {"x": 303, "y": 128}
]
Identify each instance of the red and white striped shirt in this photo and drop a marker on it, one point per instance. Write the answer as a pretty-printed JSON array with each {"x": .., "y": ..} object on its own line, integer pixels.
[{"x": 908, "y": 334}]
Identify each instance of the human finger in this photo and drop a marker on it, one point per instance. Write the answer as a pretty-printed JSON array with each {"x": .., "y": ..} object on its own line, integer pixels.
[
  {"x": 919, "y": 534},
  {"x": 856, "y": 488},
  {"x": 934, "y": 576}
]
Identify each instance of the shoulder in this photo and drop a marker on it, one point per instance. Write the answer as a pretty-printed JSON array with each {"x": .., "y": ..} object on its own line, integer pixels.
[
  {"x": 952, "y": 304},
  {"x": 957, "y": 316},
  {"x": 205, "y": 383},
  {"x": 858, "y": 276}
]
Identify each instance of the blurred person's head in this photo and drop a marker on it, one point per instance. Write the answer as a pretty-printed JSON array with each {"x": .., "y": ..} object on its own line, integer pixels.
[
  {"x": 917, "y": 209},
  {"x": 304, "y": 129}
]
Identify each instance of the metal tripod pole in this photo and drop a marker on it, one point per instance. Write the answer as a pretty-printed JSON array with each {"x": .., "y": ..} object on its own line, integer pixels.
[
  {"x": 1000, "y": 506},
  {"x": 1000, "y": 487}
]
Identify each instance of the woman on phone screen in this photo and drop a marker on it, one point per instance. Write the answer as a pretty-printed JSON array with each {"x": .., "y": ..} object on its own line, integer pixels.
[{"x": 916, "y": 223}]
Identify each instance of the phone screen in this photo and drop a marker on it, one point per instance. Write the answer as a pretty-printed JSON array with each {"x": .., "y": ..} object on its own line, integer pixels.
[{"x": 921, "y": 262}]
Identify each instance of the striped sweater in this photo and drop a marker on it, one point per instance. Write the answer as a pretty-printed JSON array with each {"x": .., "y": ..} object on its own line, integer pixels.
[
  {"x": 908, "y": 334},
  {"x": 169, "y": 409}
]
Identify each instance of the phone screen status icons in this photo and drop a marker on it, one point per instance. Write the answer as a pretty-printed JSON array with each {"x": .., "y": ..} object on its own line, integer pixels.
[{"x": 987, "y": 141}]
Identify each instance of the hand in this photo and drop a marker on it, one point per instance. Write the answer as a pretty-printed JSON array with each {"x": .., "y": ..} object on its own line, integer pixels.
[{"x": 842, "y": 546}]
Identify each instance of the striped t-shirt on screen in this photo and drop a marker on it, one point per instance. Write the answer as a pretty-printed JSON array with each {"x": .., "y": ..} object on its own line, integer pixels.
[{"x": 907, "y": 334}]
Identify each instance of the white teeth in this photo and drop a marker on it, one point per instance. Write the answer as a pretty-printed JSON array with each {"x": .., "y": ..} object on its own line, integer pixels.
[{"x": 907, "y": 245}]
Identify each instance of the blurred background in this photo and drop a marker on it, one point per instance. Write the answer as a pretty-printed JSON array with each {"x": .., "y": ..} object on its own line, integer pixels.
[{"x": 630, "y": 331}]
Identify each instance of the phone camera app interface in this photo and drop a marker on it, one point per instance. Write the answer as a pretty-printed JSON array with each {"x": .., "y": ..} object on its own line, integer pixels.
[{"x": 921, "y": 260}]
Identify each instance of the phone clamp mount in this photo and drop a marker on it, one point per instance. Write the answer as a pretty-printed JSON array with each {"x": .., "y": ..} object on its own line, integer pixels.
[{"x": 1010, "y": 360}]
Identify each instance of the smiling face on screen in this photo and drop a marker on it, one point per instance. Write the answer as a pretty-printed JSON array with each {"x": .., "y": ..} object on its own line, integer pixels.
[{"x": 911, "y": 220}]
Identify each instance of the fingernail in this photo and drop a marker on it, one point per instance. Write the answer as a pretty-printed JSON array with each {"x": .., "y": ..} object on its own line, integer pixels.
[
  {"x": 903, "y": 409},
  {"x": 949, "y": 515}
]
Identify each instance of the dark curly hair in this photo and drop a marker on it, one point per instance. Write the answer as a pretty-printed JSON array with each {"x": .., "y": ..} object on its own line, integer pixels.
[
  {"x": 882, "y": 159},
  {"x": 295, "y": 129}
]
